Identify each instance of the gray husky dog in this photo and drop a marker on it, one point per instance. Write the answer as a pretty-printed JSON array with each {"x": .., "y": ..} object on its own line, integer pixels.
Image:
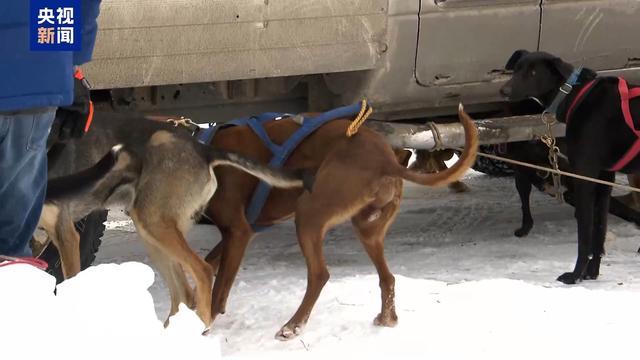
[{"x": 162, "y": 177}]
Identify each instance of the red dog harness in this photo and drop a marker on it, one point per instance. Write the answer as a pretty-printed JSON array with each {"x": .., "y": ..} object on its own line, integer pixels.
[{"x": 626, "y": 94}]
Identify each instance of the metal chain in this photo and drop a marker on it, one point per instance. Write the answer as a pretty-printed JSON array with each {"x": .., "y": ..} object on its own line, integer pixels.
[
  {"x": 550, "y": 140},
  {"x": 183, "y": 121}
]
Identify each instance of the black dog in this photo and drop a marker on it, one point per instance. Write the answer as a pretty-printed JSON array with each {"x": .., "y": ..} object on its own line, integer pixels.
[
  {"x": 532, "y": 152},
  {"x": 536, "y": 152},
  {"x": 598, "y": 139}
]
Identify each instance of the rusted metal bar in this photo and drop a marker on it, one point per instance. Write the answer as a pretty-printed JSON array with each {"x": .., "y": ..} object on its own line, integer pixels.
[{"x": 490, "y": 131}]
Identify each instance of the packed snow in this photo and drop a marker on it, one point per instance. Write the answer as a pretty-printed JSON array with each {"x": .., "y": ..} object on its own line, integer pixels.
[
  {"x": 465, "y": 288},
  {"x": 106, "y": 312}
]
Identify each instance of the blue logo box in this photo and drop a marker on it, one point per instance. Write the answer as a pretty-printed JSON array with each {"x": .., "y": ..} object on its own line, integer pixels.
[{"x": 55, "y": 25}]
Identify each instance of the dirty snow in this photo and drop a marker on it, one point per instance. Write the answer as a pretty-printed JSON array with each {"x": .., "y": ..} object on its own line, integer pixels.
[{"x": 466, "y": 287}]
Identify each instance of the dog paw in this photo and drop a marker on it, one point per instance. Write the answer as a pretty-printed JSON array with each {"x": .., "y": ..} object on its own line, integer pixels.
[
  {"x": 593, "y": 269},
  {"x": 569, "y": 278},
  {"x": 591, "y": 274},
  {"x": 288, "y": 332},
  {"x": 522, "y": 232},
  {"x": 458, "y": 187},
  {"x": 590, "y": 277},
  {"x": 386, "y": 321}
]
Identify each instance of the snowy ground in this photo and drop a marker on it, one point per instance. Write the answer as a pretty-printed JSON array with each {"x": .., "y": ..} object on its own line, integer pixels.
[
  {"x": 466, "y": 287},
  {"x": 103, "y": 313}
]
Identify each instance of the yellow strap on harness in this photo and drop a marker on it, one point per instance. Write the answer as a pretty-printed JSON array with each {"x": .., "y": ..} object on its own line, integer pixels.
[{"x": 365, "y": 111}]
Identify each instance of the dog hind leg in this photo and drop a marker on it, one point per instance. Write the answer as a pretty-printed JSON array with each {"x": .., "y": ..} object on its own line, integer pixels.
[
  {"x": 234, "y": 244},
  {"x": 585, "y": 199},
  {"x": 172, "y": 274},
  {"x": 213, "y": 257},
  {"x": 66, "y": 239},
  {"x": 372, "y": 234},
  {"x": 171, "y": 241},
  {"x": 600, "y": 213}
]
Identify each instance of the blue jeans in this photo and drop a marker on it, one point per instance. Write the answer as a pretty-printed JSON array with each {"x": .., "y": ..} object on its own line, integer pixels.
[{"x": 23, "y": 176}]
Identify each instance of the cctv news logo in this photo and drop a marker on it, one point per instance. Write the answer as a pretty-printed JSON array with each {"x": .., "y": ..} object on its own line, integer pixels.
[{"x": 55, "y": 25}]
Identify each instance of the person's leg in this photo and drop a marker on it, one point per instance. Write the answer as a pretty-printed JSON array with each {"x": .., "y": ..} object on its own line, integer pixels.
[{"x": 23, "y": 177}]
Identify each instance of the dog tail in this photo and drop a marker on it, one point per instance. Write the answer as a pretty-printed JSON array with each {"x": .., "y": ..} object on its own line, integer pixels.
[
  {"x": 79, "y": 183},
  {"x": 281, "y": 178},
  {"x": 455, "y": 172}
]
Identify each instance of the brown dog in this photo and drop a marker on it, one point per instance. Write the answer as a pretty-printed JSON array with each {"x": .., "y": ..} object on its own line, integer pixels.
[
  {"x": 163, "y": 178},
  {"x": 434, "y": 161},
  {"x": 357, "y": 178}
]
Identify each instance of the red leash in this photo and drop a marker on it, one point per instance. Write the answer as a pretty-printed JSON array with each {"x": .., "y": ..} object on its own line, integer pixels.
[
  {"x": 11, "y": 260},
  {"x": 78, "y": 74}
]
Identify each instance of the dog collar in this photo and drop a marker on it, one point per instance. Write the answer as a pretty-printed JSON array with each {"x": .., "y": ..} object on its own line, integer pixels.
[{"x": 564, "y": 90}]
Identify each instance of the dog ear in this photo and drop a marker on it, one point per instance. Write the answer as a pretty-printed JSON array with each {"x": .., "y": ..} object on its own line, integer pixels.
[
  {"x": 515, "y": 57},
  {"x": 563, "y": 68}
]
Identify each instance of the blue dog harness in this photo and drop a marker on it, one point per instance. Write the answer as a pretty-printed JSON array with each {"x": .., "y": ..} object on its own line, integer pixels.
[{"x": 280, "y": 152}]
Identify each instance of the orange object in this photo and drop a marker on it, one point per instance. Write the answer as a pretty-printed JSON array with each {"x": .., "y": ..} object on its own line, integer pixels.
[
  {"x": 78, "y": 74},
  {"x": 90, "y": 118}
]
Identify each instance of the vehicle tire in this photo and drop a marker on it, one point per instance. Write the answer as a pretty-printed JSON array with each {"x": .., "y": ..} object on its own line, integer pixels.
[
  {"x": 91, "y": 230},
  {"x": 490, "y": 166}
]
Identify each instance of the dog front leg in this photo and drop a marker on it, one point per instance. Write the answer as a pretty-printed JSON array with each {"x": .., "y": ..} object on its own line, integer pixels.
[
  {"x": 234, "y": 244},
  {"x": 601, "y": 211},
  {"x": 523, "y": 185},
  {"x": 311, "y": 227},
  {"x": 585, "y": 199},
  {"x": 214, "y": 256}
]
